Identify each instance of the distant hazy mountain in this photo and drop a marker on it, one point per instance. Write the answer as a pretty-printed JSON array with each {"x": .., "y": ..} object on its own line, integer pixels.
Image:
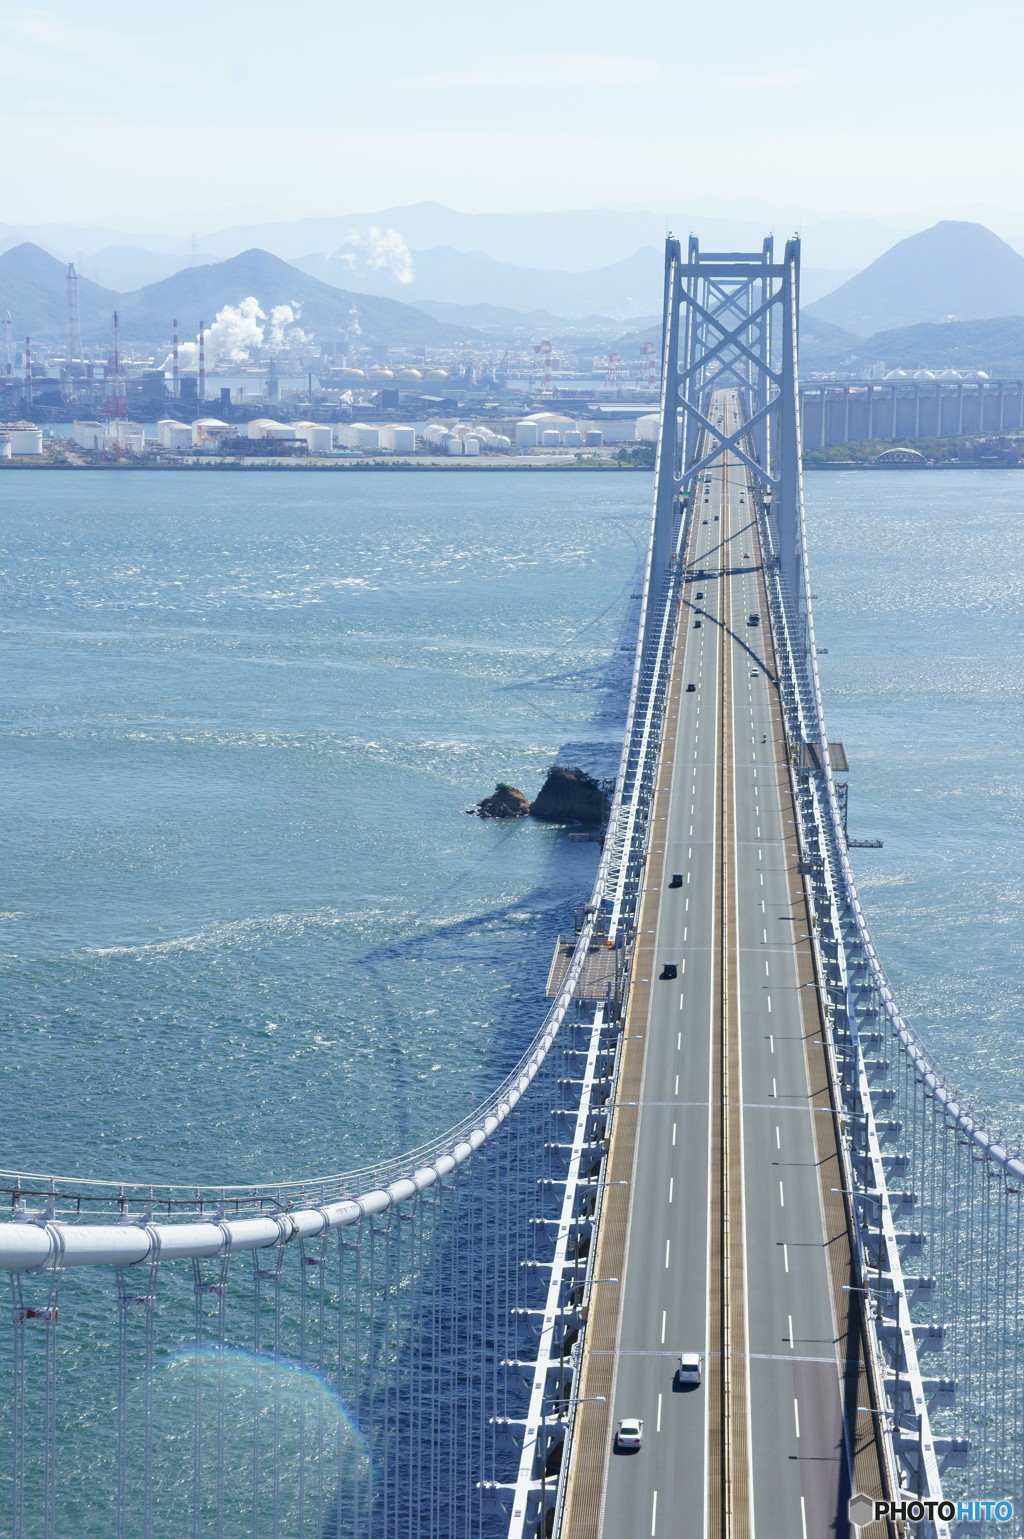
[
  {"x": 953, "y": 271},
  {"x": 626, "y": 288},
  {"x": 32, "y": 286},
  {"x": 572, "y": 240},
  {"x": 130, "y": 267}
]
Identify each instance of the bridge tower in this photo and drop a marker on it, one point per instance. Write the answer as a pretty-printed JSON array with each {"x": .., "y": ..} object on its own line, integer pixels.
[{"x": 730, "y": 318}]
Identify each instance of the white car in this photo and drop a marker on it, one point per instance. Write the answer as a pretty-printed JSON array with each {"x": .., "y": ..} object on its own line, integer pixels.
[
  {"x": 629, "y": 1433},
  {"x": 689, "y": 1370}
]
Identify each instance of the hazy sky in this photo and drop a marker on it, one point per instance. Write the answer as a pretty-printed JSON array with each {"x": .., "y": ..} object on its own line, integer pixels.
[{"x": 879, "y": 107}]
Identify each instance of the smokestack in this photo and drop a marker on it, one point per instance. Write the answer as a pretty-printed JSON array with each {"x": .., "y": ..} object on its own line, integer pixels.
[
  {"x": 174, "y": 365},
  {"x": 28, "y": 373},
  {"x": 8, "y": 348},
  {"x": 202, "y": 361}
]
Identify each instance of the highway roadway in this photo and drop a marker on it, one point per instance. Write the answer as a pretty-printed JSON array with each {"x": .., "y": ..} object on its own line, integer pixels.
[{"x": 723, "y": 1248}]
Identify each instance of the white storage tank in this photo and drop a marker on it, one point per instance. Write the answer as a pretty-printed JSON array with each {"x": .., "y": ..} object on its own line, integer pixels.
[
  {"x": 317, "y": 436},
  {"x": 551, "y": 438},
  {"x": 500, "y": 444},
  {"x": 471, "y": 445},
  {"x": 27, "y": 440},
  {"x": 5, "y": 448},
  {"x": 527, "y": 435},
  {"x": 454, "y": 445},
  {"x": 173, "y": 435},
  {"x": 573, "y": 440},
  {"x": 647, "y": 428},
  {"x": 89, "y": 435},
  {"x": 594, "y": 438},
  {"x": 258, "y": 426},
  {"x": 400, "y": 437}
]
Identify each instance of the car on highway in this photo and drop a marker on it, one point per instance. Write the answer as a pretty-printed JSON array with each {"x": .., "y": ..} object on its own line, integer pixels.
[
  {"x": 696, "y": 625},
  {"x": 753, "y": 619},
  {"x": 669, "y": 970},
  {"x": 746, "y": 555},
  {"x": 690, "y": 688},
  {"x": 629, "y": 1433},
  {"x": 689, "y": 1369},
  {"x": 677, "y": 879},
  {"x": 754, "y": 674},
  {"x": 699, "y": 595}
]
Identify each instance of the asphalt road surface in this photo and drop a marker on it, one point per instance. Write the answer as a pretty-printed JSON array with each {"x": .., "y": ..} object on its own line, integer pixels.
[{"x": 728, "y": 1028}]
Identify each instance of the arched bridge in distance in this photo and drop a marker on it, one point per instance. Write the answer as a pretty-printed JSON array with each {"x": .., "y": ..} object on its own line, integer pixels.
[{"x": 724, "y": 1145}]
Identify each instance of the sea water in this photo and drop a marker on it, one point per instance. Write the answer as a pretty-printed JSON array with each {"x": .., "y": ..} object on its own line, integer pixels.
[{"x": 249, "y": 933}]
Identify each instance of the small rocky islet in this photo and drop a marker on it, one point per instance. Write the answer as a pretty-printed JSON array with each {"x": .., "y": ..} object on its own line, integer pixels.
[{"x": 568, "y": 795}]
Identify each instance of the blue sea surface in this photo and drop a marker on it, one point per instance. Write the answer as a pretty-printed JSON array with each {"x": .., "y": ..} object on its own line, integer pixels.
[
  {"x": 248, "y": 932},
  {"x": 920, "y": 583}
]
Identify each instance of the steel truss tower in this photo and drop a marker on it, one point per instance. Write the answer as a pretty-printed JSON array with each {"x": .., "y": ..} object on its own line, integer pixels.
[{"x": 731, "y": 319}]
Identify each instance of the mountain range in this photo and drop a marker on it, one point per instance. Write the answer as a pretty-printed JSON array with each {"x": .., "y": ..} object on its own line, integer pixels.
[{"x": 32, "y": 287}]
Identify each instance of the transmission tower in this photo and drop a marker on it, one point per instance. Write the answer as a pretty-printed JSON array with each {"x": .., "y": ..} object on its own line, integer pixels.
[
  {"x": 8, "y": 338},
  {"x": 543, "y": 351},
  {"x": 613, "y": 376},
  {"x": 29, "y": 393},
  {"x": 118, "y": 403},
  {"x": 73, "y": 341},
  {"x": 650, "y": 353}
]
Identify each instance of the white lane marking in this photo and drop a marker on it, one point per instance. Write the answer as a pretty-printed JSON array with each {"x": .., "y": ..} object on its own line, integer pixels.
[
  {"x": 671, "y": 1189},
  {"x": 760, "y": 855},
  {"x": 654, "y": 1512},
  {"x": 762, "y": 878},
  {"x": 686, "y": 909},
  {"x": 765, "y": 935},
  {"x": 766, "y": 969},
  {"x": 771, "y": 1040},
  {"x": 689, "y": 856},
  {"x": 679, "y": 1035},
  {"x": 673, "y": 1135},
  {"x": 664, "y": 1319},
  {"x": 778, "y": 1138},
  {"x": 658, "y": 1426},
  {"x": 668, "y": 1246},
  {"x": 790, "y": 1319},
  {"x": 676, "y": 1090},
  {"x": 684, "y": 931},
  {"x": 691, "y": 830},
  {"x": 803, "y": 1516},
  {"x": 785, "y": 1255},
  {"x": 683, "y": 964},
  {"x": 769, "y": 998},
  {"x": 796, "y": 1415},
  {"x": 681, "y": 998}
]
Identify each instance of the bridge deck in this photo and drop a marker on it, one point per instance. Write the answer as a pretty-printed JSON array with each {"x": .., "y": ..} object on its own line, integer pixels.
[{"x": 723, "y": 1218}]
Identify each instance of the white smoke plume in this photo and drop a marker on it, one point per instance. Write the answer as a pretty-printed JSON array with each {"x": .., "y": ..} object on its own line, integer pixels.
[
  {"x": 376, "y": 250},
  {"x": 239, "y": 330}
]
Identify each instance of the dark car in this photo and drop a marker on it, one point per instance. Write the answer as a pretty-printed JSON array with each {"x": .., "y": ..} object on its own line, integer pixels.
[
  {"x": 677, "y": 879},
  {"x": 670, "y": 970},
  {"x": 690, "y": 688}
]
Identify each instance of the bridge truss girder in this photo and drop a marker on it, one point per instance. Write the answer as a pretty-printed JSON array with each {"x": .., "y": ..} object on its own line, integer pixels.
[{"x": 730, "y": 318}]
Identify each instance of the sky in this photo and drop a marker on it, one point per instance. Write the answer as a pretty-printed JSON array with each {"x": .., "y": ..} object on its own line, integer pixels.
[{"x": 129, "y": 113}]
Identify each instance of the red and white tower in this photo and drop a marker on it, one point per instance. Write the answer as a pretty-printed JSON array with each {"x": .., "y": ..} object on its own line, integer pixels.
[{"x": 650, "y": 353}]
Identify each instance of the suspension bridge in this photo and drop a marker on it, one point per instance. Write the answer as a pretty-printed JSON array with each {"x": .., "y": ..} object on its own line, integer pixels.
[{"x": 724, "y": 1140}]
